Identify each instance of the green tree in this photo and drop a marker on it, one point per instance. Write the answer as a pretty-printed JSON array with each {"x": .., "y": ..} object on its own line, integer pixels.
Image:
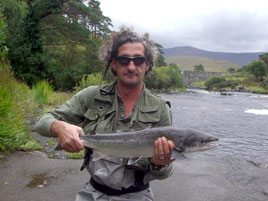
[
  {"x": 73, "y": 39},
  {"x": 230, "y": 70},
  {"x": 151, "y": 80},
  {"x": 258, "y": 69},
  {"x": 3, "y": 48},
  {"x": 163, "y": 78},
  {"x": 160, "y": 61},
  {"x": 24, "y": 42},
  {"x": 176, "y": 79},
  {"x": 264, "y": 58},
  {"x": 38, "y": 30},
  {"x": 173, "y": 65},
  {"x": 199, "y": 68}
]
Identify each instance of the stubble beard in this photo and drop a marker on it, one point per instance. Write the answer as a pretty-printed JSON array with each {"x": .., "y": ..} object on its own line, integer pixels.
[{"x": 130, "y": 83}]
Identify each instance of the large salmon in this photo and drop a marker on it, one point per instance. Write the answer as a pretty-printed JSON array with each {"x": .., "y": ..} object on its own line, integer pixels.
[{"x": 140, "y": 143}]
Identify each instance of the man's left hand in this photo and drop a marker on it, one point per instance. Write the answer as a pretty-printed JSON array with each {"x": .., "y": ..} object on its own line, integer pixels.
[{"x": 162, "y": 151}]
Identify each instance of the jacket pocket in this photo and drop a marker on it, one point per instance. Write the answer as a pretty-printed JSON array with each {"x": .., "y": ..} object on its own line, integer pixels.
[
  {"x": 91, "y": 114},
  {"x": 100, "y": 121},
  {"x": 149, "y": 114}
]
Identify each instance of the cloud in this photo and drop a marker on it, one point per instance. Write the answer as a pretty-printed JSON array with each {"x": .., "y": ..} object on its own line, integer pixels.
[
  {"x": 221, "y": 31},
  {"x": 233, "y": 26}
]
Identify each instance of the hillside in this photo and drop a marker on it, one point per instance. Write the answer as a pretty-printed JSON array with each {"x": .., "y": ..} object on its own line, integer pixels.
[
  {"x": 210, "y": 65},
  {"x": 237, "y": 58}
]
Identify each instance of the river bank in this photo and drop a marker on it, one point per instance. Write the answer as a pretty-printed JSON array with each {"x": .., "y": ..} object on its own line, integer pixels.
[{"x": 33, "y": 176}]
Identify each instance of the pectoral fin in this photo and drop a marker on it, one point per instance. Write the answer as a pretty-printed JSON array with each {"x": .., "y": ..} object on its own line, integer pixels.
[
  {"x": 176, "y": 153},
  {"x": 132, "y": 161}
]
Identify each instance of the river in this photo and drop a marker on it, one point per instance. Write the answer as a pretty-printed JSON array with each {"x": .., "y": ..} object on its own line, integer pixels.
[
  {"x": 237, "y": 170},
  {"x": 239, "y": 120}
]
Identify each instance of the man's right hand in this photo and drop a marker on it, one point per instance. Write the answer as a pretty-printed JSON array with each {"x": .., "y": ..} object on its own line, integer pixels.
[{"x": 68, "y": 135}]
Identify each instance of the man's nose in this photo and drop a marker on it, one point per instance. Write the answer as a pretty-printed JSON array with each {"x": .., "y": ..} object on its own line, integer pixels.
[{"x": 131, "y": 66}]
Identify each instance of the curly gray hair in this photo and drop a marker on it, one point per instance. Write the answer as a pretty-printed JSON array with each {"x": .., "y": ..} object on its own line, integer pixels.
[{"x": 109, "y": 50}]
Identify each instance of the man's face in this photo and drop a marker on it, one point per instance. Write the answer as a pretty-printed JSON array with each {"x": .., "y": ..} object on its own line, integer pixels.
[{"x": 131, "y": 74}]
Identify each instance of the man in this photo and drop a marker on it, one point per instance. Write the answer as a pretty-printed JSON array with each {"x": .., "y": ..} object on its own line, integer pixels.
[{"x": 112, "y": 108}]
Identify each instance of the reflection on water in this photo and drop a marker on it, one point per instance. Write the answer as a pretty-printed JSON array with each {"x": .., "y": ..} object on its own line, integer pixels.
[{"x": 240, "y": 121}]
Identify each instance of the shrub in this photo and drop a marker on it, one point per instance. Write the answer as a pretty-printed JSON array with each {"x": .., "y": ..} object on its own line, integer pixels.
[
  {"x": 199, "y": 68},
  {"x": 176, "y": 77},
  {"x": 218, "y": 83},
  {"x": 264, "y": 83},
  {"x": 42, "y": 90},
  {"x": 92, "y": 79},
  {"x": 258, "y": 69},
  {"x": 213, "y": 81},
  {"x": 164, "y": 77}
]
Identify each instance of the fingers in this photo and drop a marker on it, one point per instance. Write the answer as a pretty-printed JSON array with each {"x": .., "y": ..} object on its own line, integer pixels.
[
  {"x": 69, "y": 137},
  {"x": 156, "y": 152},
  {"x": 171, "y": 145},
  {"x": 71, "y": 144},
  {"x": 162, "y": 151},
  {"x": 80, "y": 130}
]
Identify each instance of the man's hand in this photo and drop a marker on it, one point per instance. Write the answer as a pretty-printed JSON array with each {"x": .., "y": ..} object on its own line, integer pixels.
[
  {"x": 68, "y": 135},
  {"x": 162, "y": 151}
]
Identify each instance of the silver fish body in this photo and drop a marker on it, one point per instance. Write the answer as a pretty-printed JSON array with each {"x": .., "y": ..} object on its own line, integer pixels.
[{"x": 140, "y": 143}]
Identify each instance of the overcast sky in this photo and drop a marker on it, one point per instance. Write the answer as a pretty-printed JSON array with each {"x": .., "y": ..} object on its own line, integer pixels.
[{"x": 214, "y": 25}]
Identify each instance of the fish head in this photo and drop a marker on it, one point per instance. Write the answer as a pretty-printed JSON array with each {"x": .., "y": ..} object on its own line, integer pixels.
[{"x": 195, "y": 140}]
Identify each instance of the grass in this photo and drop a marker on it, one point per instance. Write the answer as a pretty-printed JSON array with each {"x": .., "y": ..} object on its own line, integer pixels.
[
  {"x": 93, "y": 79},
  {"x": 52, "y": 142},
  {"x": 58, "y": 97},
  {"x": 42, "y": 90},
  {"x": 257, "y": 90},
  {"x": 18, "y": 105},
  {"x": 31, "y": 145},
  {"x": 210, "y": 65},
  {"x": 201, "y": 84},
  {"x": 79, "y": 155},
  {"x": 15, "y": 102}
]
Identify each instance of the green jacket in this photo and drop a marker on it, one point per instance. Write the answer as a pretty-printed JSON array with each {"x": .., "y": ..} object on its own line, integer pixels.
[{"x": 104, "y": 113}]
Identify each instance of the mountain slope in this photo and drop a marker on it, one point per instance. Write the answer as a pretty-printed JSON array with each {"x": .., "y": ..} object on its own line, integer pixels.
[
  {"x": 210, "y": 65},
  {"x": 237, "y": 58}
]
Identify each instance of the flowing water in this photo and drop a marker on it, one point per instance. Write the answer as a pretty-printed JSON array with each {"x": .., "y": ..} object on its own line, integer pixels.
[
  {"x": 239, "y": 120},
  {"x": 238, "y": 168}
]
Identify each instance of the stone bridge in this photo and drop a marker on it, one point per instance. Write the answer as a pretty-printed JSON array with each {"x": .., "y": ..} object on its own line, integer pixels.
[{"x": 197, "y": 76}]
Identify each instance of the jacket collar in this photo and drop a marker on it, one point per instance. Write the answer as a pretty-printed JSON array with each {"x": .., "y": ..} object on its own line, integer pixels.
[{"x": 108, "y": 92}]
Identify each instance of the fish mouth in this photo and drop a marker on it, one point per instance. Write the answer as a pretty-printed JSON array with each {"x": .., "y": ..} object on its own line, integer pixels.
[
  {"x": 210, "y": 145},
  {"x": 202, "y": 147}
]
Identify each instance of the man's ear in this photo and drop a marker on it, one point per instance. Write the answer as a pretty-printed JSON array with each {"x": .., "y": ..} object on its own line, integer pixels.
[{"x": 148, "y": 64}]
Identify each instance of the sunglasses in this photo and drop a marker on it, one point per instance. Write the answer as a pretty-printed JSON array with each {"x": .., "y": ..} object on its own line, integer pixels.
[{"x": 124, "y": 60}]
